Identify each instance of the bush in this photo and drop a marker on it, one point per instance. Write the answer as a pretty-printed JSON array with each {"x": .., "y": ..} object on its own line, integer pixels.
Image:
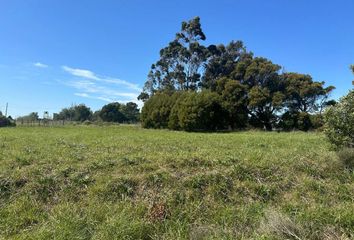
[
  {"x": 190, "y": 111},
  {"x": 304, "y": 121},
  {"x": 288, "y": 121},
  {"x": 339, "y": 122},
  {"x": 346, "y": 156},
  {"x": 317, "y": 121},
  {"x": 156, "y": 110},
  {"x": 195, "y": 111},
  {"x": 112, "y": 113},
  {"x": 300, "y": 121},
  {"x": 87, "y": 122},
  {"x": 6, "y": 122}
]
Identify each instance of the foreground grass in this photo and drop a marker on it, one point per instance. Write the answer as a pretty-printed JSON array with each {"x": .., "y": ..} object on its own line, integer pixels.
[{"x": 124, "y": 182}]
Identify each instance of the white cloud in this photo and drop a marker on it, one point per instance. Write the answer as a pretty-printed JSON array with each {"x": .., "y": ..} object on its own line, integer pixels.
[
  {"x": 91, "y": 75},
  {"x": 40, "y": 65},
  {"x": 82, "y": 95},
  {"x": 80, "y": 72},
  {"x": 105, "y": 99},
  {"x": 108, "y": 89},
  {"x": 91, "y": 87}
]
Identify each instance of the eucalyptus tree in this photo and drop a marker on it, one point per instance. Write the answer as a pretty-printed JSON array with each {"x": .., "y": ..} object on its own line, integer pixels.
[
  {"x": 305, "y": 95},
  {"x": 181, "y": 62},
  {"x": 258, "y": 88},
  {"x": 221, "y": 62}
]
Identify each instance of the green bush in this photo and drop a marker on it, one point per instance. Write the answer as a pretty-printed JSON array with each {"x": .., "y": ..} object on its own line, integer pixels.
[
  {"x": 190, "y": 111},
  {"x": 339, "y": 122},
  {"x": 304, "y": 121},
  {"x": 317, "y": 121},
  {"x": 6, "y": 122},
  {"x": 300, "y": 121},
  {"x": 156, "y": 110},
  {"x": 288, "y": 121},
  {"x": 346, "y": 156},
  {"x": 196, "y": 111}
]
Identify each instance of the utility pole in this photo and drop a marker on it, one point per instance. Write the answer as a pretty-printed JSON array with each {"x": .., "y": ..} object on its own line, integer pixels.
[{"x": 7, "y": 105}]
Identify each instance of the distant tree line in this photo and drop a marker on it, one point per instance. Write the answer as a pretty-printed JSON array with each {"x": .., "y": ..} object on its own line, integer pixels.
[
  {"x": 196, "y": 87},
  {"x": 112, "y": 112},
  {"x": 32, "y": 117}
]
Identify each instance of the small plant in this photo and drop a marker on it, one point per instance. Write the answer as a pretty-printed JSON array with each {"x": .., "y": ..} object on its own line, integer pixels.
[
  {"x": 280, "y": 225},
  {"x": 158, "y": 212},
  {"x": 346, "y": 156},
  {"x": 119, "y": 189}
]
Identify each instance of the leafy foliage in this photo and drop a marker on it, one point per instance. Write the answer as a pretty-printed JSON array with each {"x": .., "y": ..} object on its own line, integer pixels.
[
  {"x": 305, "y": 95},
  {"x": 30, "y": 117},
  {"x": 339, "y": 122},
  {"x": 198, "y": 111},
  {"x": 180, "y": 62},
  {"x": 6, "y": 122},
  {"x": 156, "y": 111},
  {"x": 253, "y": 91},
  {"x": 221, "y": 62},
  {"x": 346, "y": 156},
  {"x": 78, "y": 113},
  {"x": 112, "y": 112},
  {"x": 131, "y": 112}
]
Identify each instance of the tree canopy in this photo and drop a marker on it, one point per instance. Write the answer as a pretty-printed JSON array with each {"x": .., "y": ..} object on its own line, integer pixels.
[
  {"x": 77, "y": 113},
  {"x": 119, "y": 113},
  {"x": 180, "y": 63},
  {"x": 253, "y": 91},
  {"x": 33, "y": 116}
]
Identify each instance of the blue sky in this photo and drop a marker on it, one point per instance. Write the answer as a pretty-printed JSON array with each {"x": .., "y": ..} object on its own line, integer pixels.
[{"x": 54, "y": 53}]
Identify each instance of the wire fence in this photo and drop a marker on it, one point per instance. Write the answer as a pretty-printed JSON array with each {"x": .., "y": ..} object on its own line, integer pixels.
[
  {"x": 43, "y": 123},
  {"x": 53, "y": 123}
]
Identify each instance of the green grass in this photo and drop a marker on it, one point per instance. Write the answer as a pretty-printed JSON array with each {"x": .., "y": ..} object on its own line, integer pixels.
[{"x": 124, "y": 182}]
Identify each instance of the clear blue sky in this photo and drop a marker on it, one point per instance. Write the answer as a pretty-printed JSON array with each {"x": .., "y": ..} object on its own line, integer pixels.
[{"x": 57, "y": 52}]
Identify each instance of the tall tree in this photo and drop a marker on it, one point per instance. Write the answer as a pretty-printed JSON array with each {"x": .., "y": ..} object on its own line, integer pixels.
[
  {"x": 82, "y": 113},
  {"x": 112, "y": 113},
  {"x": 180, "y": 63},
  {"x": 130, "y": 111},
  {"x": 234, "y": 97},
  {"x": 265, "y": 90},
  {"x": 75, "y": 113},
  {"x": 221, "y": 62},
  {"x": 305, "y": 95},
  {"x": 33, "y": 116}
]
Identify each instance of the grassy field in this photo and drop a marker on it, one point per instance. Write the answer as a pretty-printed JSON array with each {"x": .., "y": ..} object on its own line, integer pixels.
[{"x": 124, "y": 182}]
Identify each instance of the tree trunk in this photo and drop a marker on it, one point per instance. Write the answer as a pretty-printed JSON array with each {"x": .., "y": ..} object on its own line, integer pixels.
[{"x": 268, "y": 126}]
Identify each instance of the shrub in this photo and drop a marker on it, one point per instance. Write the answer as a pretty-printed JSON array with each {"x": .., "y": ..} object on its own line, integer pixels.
[
  {"x": 339, "y": 122},
  {"x": 300, "y": 120},
  {"x": 156, "y": 110},
  {"x": 6, "y": 122},
  {"x": 346, "y": 156},
  {"x": 288, "y": 121},
  {"x": 280, "y": 225},
  {"x": 87, "y": 122},
  {"x": 198, "y": 111},
  {"x": 317, "y": 121},
  {"x": 112, "y": 113},
  {"x": 304, "y": 121}
]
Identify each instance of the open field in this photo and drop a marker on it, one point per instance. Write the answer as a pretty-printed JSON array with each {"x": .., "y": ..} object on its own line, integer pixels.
[{"x": 124, "y": 182}]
